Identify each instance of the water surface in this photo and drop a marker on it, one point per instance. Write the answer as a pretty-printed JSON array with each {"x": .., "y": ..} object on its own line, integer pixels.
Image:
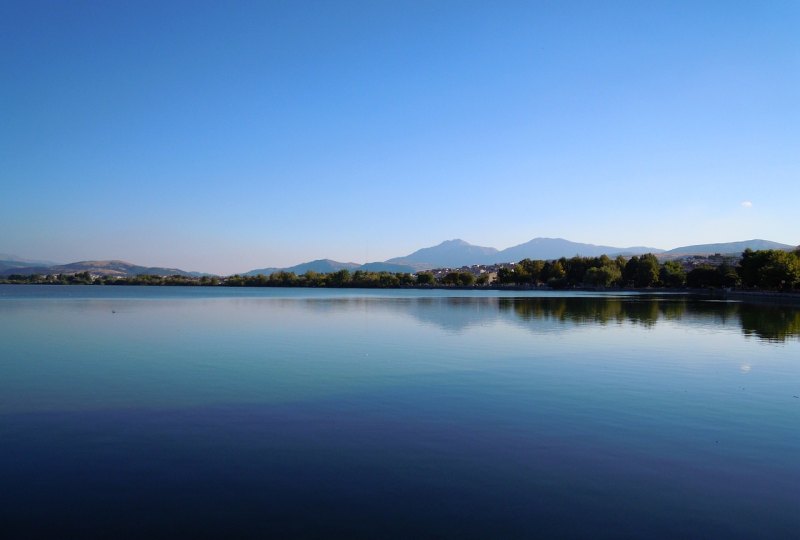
[{"x": 144, "y": 411}]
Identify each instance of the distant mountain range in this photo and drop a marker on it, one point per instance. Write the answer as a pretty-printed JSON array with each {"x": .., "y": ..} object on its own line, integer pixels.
[
  {"x": 326, "y": 266},
  {"x": 457, "y": 253},
  {"x": 102, "y": 268},
  {"x": 11, "y": 261},
  {"x": 448, "y": 254}
]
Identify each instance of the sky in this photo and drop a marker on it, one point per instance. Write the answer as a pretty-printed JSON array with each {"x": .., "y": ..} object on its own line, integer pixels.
[{"x": 227, "y": 136}]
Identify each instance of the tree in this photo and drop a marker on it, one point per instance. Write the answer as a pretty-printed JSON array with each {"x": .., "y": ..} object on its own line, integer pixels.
[
  {"x": 553, "y": 270},
  {"x": 340, "y": 278},
  {"x": 672, "y": 274},
  {"x": 642, "y": 271},
  {"x": 531, "y": 271},
  {"x": 770, "y": 269},
  {"x": 750, "y": 266},
  {"x": 467, "y": 279},
  {"x": 463, "y": 279},
  {"x": 647, "y": 272},
  {"x": 605, "y": 276},
  {"x": 704, "y": 276},
  {"x": 575, "y": 269},
  {"x": 781, "y": 271},
  {"x": 728, "y": 275},
  {"x": 506, "y": 276},
  {"x": 426, "y": 278},
  {"x": 283, "y": 279},
  {"x": 630, "y": 270}
]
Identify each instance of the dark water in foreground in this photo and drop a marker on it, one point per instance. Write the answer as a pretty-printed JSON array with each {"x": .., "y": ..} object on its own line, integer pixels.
[{"x": 147, "y": 412}]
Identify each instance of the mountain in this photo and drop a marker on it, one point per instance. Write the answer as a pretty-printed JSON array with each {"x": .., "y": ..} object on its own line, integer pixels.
[
  {"x": 451, "y": 254},
  {"x": 726, "y": 248},
  {"x": 457, "y": 253},
  {"x": 12, "y": 261},
  {"x": 327, "y": 266},
  {"x": 322, "y": 266},
  {"x": 555, "y": 248},
  {"x": 387, "y": 267},
  {"x": 448, "y": 254},
  {"x": 102, "y": 268}
]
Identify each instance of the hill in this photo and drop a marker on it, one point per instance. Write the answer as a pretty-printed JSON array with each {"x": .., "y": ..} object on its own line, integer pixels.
[
  {"x": 327, "y": 266},
  {"x": 448, "y": 254},
  {"x": 726, "y": 248},
  {"x": 555, "y": 248},
  {"x": 101, "y": 268},
  {"x": 8, "y": 262},
  {"x": 457, "y": 253},
  {"x": 322, "y": 266}
]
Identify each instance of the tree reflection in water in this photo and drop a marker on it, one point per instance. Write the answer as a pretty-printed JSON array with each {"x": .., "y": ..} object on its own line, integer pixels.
[{"x": 769, "y": 323}]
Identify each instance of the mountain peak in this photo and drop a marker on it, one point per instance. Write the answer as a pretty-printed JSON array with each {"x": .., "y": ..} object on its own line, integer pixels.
[
  {"x": 449, "y": 254},
  {"x": 455, "y": 242}
]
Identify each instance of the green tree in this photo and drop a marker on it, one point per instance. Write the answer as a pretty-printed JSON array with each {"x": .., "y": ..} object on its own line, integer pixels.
[
  {"x": 781, "y": 271},
  {"x": 283, "y": 279},
  {"x": 704, "y": 276},
  {"x": 647, "y": 273},
  {"x": 340, "y": 278},
  {"x": 575, "y": 269},
  {"x": 672, "y": 274},
  {"x": 426, "y": 278},
  {"x": 729, "y": 275},
  {"x": 605, "y": 276},
  {"x": 531, "y": 271},
  {"x": 506, "y": 276},
  {"x": 770, "y": 269},
  {"x": 642, "y": 271}
]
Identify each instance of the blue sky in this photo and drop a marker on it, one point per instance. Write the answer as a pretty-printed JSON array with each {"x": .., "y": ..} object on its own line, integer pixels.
[{"x": 226, "y": 136}]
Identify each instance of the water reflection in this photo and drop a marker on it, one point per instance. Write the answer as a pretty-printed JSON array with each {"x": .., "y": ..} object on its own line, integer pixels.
[
  {"x": 772, "y": 324},
  {"x": 452, "y": 314},
  {"x": 767, "y": 323}
]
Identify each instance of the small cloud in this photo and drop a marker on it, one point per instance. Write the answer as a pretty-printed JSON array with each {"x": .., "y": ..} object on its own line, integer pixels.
[{"x": 747, "y": 204}]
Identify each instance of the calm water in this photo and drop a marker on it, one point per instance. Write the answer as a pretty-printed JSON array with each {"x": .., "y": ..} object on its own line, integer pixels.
[{"x": 164, "y": 412}]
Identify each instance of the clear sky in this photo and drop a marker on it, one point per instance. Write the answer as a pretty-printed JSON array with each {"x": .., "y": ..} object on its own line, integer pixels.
[{"x": 226, "y": 136}]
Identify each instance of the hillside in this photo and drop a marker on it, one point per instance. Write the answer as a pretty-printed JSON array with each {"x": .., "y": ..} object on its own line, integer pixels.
[
  {"x": 450, "y": 253},
  {"x": 101, "y": 268},
  {"x": 727, "y": 248},
  {"x": 326, "y": 266},
  {"x": 555, "y": 248},
  {"x": 322, "y": 266}
]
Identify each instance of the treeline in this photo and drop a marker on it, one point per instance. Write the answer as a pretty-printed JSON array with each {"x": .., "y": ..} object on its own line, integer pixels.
[
  {"x": 765, "y": 270},
  {"x": 638, "y": 272},
  {"x": 340, "y": 278},
  {"x": 85, "y": 278}
]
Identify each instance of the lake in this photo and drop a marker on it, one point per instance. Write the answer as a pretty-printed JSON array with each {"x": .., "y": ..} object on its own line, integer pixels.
[{"x": 314, "y": 413}]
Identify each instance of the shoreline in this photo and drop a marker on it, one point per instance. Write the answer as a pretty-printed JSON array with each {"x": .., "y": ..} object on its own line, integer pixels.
[{"x": 737, "y": 295}]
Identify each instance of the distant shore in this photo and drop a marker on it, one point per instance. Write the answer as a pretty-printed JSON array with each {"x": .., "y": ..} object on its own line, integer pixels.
[{"x": 747, "y": 296}]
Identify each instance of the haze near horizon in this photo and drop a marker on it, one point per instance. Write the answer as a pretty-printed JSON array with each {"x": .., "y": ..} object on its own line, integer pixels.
[{"x": 221, "y": 137}]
